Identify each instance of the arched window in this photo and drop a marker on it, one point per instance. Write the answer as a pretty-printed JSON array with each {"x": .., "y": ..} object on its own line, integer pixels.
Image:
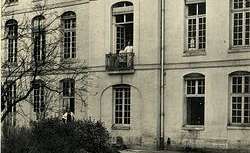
[
  {"x": 194, "y": 98},
  {"x": 122, "y": 103},
  {"x": 10, "y": 105},
  {"x": 123, "y": 19},
  {"x": 12, "y": 33},
  {"x": 69, "y": 35},
  {"x": 68, "y": 95},
  {"x": 39, "y": 96},
  {"x": 240, "y": 97},
  {"x": 38, "y": 34}
]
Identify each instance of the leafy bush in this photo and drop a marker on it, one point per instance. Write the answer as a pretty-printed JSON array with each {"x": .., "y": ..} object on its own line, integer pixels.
[
  {"x": 15, "y": 139},
  {"x": 54, "y": 136}
]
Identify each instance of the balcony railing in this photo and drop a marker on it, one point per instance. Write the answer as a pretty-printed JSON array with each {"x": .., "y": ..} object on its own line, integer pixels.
[{"x": 120, "y": 62}]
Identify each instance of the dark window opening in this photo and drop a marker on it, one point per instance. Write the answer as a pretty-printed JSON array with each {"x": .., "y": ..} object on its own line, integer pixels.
[{"x": 195, "y": 111}]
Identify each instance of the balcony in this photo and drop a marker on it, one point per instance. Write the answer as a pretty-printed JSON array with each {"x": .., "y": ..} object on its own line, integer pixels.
[{"x": 120, "y": 63}]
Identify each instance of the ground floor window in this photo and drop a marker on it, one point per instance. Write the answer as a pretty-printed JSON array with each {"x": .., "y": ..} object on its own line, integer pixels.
[
  {"x": 240, "y": 98},
  {"x": 122, "y": 103},
  {"x": 195, "y": 99},
  {"x": 68, "y": 95}
]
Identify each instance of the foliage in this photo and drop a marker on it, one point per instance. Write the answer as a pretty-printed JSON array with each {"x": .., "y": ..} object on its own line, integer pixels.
[{"x": 54, "y": 136}]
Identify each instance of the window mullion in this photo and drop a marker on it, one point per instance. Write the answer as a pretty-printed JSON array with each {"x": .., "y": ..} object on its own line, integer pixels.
[
  {"x": 197, "y": 27},
  {"x": 123, "y": 102},
  {"x": 243, "y": 27}
]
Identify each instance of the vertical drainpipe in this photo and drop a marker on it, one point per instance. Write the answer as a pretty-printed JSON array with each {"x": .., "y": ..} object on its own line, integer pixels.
[{"x": 162, "y": 61}]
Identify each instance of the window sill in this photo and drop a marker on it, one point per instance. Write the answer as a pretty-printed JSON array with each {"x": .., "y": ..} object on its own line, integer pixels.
[
  {"x": 240, "y": 49},
  {"x": 193, "y": 127},
  {"x": 239, "y": 127},
  {"x": 120, "y": 127},
  {"x": 68, "y": 60},
  {"x": 122, "y": 72},
  {"x": 34, "y": 1},
  {"x": 198, "y": 52}
]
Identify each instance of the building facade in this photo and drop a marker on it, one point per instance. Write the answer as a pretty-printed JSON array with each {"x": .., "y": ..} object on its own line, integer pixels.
[{"x": 201, "y": 100}]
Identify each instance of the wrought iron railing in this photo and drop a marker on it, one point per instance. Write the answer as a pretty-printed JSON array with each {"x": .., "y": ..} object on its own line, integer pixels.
[{"x": 119, "y": 62}]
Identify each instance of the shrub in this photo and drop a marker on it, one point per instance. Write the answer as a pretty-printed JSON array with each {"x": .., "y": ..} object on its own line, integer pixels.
[
  {"x": 15, "y": 139},
  {"x": 53, "y": 136}
]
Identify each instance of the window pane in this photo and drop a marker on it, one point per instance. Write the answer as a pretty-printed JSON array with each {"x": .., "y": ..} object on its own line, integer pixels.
[
  {"x": 192, "y": 9},
  {"x": 247, "y": 110},
  {"x": 190, "y": 86},
  {"x": 201, "y": 86},
  {"x": 119, "y": 18},
  {"x": 236, "y": 109},
  {"x": 247, "y": 84},
  {"x": 202, "y": 33},
  {"x": 237, "y": 84},
  {"x": 238, "y": 28},
  {"x": 247, "y": 3},
  {"x": 238, "y": 4},
  {"x": 129, "y": 17},
  {"x": 192, "y": 33},
  {"x": 202, "y": 8}
]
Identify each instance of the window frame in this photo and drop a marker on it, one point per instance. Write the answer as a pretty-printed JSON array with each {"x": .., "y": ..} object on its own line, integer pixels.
[
  {"x": 11, "y": 28},
  {"x": 68, "y": 101},
  {"x": 38, "y": 39},
  {"x": 196, "y": 50},
  {"x": 125, "y": 10},
  {"x": 114, "y": 91},
  {"x": 242, "y": 95},
  {"x": 39, "y": 105},
  {"x": 11, "y": 91},
  {"x": 243, "y": 11},
  {"x": 71, "y": 48},
  {"x": 196, "y": 94}
]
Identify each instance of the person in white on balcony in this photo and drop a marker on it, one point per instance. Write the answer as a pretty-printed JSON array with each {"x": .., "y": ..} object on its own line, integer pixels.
[{"x": 128, "y": 48}]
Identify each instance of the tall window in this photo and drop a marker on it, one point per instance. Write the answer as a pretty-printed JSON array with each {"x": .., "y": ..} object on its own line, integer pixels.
[
  {"x": 195, "y": 98},
  {"x": 11, "y": 96},
  {"x": 196, "y": 25},
  {"x": 11, "y": 28},
  {"x": 241, "y": 23},
  {"x": 68, "y": 97},
  {"x": 38, "y": 32},
  {"x": 240, "y": 98},
  {"x": 122, "y": 24},
  {"x": 39, "y": 96},
  {"x": 69, "y": 31},
  {"x": 122, "y": 100}
]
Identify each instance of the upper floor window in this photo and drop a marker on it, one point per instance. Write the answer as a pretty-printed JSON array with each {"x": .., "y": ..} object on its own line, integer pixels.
[
  {"x": 39, "y": 96},
  {"x": 240, "y": 98},
  {"x": 196, "y": 25},
  {"x": 11, "y": 30},
  {"x": 69, "y": 35},
  {"x": 195, "y": 98},
  {"x": 123, "y": 28},
  {"x": 38, "y": 34},
  {"x": 241, "y": 23},
  {"x": 122, "y": 102},
  {"x": 68, "y": 95}
]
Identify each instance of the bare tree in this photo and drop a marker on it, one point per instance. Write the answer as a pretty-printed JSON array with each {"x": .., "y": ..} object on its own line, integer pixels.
[{"x": 33, "y": 51}]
